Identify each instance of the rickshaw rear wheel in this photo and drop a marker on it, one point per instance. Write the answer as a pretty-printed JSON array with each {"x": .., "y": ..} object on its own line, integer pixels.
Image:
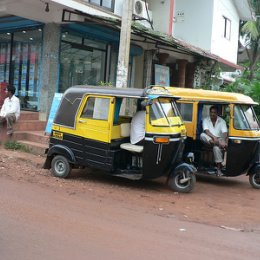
[
  {"x": 60, "y": 166},
  {"x": 182, "y": 181},
  {"x": 254, "y": 180}
]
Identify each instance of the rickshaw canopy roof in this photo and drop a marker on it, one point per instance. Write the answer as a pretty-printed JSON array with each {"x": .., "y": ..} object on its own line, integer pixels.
[
  {"x": 73, "y": 96},
  {"x": 81, "y": 90},
  {"x": 202, "y": 95}
]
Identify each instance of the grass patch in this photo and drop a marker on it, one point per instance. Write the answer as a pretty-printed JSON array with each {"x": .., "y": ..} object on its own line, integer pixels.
[{"x": 14, "y": 145}]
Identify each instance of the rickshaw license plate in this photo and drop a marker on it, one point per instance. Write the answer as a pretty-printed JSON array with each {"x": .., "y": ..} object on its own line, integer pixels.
[{"x": 57, "y": 135}]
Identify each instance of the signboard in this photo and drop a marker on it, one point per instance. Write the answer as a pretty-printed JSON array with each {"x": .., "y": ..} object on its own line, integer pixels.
[
  {"x": 162, "y": 75},
  {"x": 54, "y": 106}
]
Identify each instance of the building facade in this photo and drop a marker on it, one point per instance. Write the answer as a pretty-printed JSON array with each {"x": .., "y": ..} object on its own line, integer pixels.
[{"x": 48, "y": 46}]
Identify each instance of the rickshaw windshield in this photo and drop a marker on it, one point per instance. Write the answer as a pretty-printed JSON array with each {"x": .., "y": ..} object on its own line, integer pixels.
[
  {"x": 164, "y": 112},
  {"x": 245, "y": 118}
]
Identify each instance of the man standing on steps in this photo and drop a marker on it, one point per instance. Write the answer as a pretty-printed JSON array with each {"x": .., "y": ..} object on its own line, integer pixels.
[{"x": 10, "y": 110}]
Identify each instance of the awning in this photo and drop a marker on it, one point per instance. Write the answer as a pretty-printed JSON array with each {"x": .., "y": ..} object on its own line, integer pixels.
[{"x": 13, "y": 23}]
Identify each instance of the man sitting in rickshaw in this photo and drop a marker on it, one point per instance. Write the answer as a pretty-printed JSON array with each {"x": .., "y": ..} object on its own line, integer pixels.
[
  {"x": 137, "y": 132},
  {"x": 215, "y": 135}
]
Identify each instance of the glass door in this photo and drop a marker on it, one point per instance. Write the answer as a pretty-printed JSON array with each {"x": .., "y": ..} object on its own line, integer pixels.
[
  {"x": 20, "y": 56},
  {"x": 83, "y": 62}
]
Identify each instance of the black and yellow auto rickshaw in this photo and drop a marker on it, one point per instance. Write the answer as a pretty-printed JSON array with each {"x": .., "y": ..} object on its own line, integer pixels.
[
  {"x": 91, "y": 129},
  {"x": 242, "y": 155}
]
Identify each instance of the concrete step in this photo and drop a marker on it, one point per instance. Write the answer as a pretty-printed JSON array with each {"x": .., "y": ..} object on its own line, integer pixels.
[
  {"x": 29, "y": 131},
  {"x": 29, "y": 125},
  {"x": 32, "y": 136},
  {"x": 34, "y": 148},
  {"x": 28, "y": 115}
]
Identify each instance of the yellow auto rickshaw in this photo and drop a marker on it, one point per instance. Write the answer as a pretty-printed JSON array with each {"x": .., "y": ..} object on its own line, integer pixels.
[
  {"x": 242, "y": 155},
  {"x": 92, "y": 128}
]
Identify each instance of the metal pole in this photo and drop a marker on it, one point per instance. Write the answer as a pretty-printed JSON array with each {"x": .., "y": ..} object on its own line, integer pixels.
[{"x": 124, "y": 46}]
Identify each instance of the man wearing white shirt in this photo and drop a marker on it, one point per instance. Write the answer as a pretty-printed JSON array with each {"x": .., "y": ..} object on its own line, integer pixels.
[
  {"x": 137, "y": 131},
  {"x": 10, "y": 110},
  {"x": 215, "y": 134}
]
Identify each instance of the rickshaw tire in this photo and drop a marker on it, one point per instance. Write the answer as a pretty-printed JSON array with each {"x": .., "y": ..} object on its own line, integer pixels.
[
  {"x": 176, "y": 186},
  {"x": 254, "y": 180},
  {"x": 60, "y": 167}
]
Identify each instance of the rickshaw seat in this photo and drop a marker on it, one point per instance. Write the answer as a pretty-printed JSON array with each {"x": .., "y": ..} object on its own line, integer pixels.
[{"x": 132, "y": 147}]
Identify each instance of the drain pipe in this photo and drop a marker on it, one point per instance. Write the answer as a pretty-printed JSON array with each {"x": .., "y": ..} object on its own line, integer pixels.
[{"x": 171, "y": 17}]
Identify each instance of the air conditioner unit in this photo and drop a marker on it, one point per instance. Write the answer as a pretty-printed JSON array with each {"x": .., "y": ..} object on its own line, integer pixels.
[
  {"x": 140, "y": 10},
  {"x": 142, "y": 13}
]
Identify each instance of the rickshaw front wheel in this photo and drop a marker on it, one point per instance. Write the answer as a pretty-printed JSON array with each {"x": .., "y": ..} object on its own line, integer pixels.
[
  {"x": 254, "y": 180},
  {"x": 182, "y": 181},
  {"x": 60, "y": 166}
]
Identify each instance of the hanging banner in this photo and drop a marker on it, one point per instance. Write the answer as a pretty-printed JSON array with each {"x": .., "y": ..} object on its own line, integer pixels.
[{"x": 54, "y": 107}]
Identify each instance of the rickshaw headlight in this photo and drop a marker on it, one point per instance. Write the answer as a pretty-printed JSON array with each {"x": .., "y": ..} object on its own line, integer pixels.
[
  {"x": 161, "y": 140},
  {"x": 237, "y": 141}
]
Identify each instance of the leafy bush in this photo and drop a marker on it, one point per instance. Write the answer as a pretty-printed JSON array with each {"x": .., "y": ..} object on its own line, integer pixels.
[
  {"x": 14, "y": 145},
  {"x": 248, "y": 87}
]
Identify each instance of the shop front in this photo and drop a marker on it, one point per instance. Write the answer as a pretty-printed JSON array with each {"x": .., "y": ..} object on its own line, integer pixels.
[
  {"x": 20, "y": 58},
  {"x": 85, "y": 55}
]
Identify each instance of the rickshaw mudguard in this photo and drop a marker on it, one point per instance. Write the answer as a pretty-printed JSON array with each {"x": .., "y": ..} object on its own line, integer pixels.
[
  {"x": 60, "y": 150},
  {"x": 183, "y": 166},
  {"x": 254, "y": 168}
]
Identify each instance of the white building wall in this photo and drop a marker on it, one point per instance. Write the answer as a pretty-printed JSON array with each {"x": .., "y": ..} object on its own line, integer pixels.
[
  {"x": 161, "y": 15},
  {"x": 193, "y": 22},
  {"x": 118, "y": 10},
  {"x": 225, "y": 48}
]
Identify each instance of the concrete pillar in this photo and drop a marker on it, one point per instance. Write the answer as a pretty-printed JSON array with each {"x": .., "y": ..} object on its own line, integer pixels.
[
  {"x": 50, "y": 68},
  {"x": 181, "y": 72},
  {"x": 163, "y": 57},
  {"x": 190, "y": 74},
  {"x": 148, "y": 69},
  {"x": 124, "y": 45}
]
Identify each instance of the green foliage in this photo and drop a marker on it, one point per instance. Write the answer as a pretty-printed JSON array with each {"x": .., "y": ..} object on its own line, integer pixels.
[
  {"x": 251, "y": 27},
  {"x": 105, "y": 84},
  {"x": 14, "y": 145},
  {"x": 248, "y": 87}
]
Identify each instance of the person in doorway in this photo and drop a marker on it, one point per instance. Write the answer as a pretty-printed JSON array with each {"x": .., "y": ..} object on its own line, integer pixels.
[
  {"x": 10, "y": 110},
  {"x": 215, "y": 135},
  {"x": 137, "y": 131}
]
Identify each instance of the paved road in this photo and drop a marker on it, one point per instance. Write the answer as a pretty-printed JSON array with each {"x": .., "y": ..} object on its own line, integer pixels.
[{"x": 37, "y": 222}]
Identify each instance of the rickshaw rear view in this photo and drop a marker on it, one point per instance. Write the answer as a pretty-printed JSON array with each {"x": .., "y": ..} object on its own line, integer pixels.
[{"x": 92, "y": 129}]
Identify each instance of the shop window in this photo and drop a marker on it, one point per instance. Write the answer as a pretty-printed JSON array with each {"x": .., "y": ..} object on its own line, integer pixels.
[
  {"x": 83, "y": 61},
  {"x": 109, "y": 4},
  {"x": 20, "y": 54},
  {"x": 5, "y": 47},
  {"x": 96, "y": 108}
]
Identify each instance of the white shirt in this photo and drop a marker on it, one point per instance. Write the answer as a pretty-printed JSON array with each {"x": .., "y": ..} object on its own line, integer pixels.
[
  {"x": 217, "y": 130},
  {"x": 11, "y": 105},
  {"x": 137, "y": 131}
]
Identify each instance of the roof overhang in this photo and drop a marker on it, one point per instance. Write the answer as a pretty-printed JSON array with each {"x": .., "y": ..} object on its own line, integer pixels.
[
  {"x": 244, "y": 10},
  {"x": 85, "y": 8},
  {"x": 162, "y": 40},
  {"x": 228, "y": 66}
]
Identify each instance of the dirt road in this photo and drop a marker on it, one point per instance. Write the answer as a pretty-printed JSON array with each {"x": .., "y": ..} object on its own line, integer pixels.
[{"x": 93, "y": 216}]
